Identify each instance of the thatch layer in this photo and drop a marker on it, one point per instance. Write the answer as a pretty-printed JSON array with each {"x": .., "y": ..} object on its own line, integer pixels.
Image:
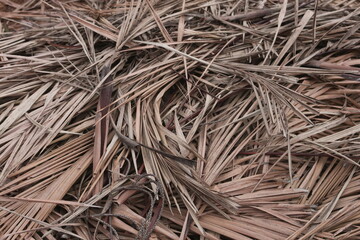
[{"x": 178, "y": 119}]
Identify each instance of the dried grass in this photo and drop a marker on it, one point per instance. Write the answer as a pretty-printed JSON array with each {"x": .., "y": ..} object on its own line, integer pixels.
[{"x": 179, "y": 119}]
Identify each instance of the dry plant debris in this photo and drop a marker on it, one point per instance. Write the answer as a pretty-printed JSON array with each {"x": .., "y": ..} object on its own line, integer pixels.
[{"x": 170, "y": 119}]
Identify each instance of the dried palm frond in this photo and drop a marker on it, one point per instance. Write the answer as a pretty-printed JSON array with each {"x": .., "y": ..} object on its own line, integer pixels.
[{"x": 178, "y": 119}]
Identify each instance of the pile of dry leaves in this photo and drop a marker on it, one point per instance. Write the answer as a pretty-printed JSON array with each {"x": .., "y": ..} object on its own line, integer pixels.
[{"x": 170, "y": 119}]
